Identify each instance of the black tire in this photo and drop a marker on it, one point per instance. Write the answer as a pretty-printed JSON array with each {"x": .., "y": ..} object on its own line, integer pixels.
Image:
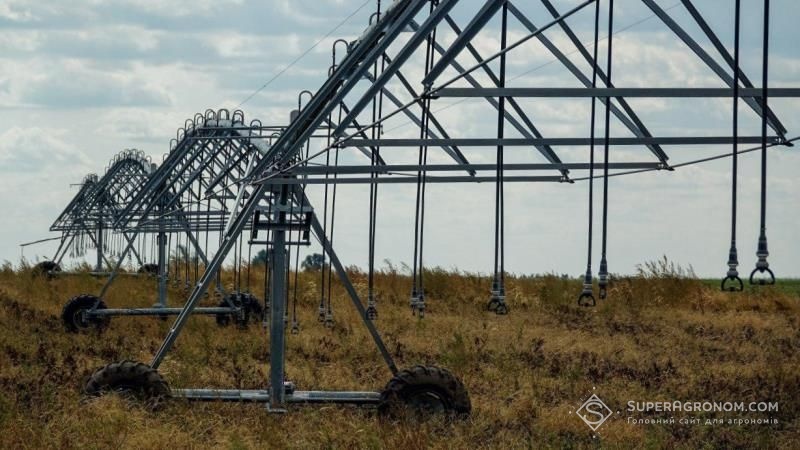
[
  {"x": 253, "y": 305},
  {"x": 46, "y": 268},
  {"x": 223, "y": 320},
  {"x": 427, "y": 390},
  {"x": 130, "y": 378},
  {"x": 501, "y": 310},
  {"x": 73, "y": 318},
  {"x": 252, "y": 309},
  {"x": 149, "y": 269}
]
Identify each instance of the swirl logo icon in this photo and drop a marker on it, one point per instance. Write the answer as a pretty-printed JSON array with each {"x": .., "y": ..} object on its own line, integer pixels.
[{"x": 594, "y": 412}]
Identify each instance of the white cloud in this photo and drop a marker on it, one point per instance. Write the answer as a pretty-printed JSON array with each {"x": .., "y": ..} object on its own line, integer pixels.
[
  {"x": 16, "y": 11},
  {"x": 82, "y": 80},
  {"x": 74, "y": 84},
  {"x": 36, "y": 149}
]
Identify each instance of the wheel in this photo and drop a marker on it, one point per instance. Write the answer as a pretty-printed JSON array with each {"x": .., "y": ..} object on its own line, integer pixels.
[
  {"x": 132, "y": 379},
  {"x": 73, "y": 313},
  {"x": 426, "y": 390},
  {"x": 224, "y": 319},
  {"x": 46, "y": 268},
  {"x": 149, "y": 269},
  {"x": 248, "y": 302},
  {"x": 501, "y": 310},
  {"x": 253, "y": 306}
]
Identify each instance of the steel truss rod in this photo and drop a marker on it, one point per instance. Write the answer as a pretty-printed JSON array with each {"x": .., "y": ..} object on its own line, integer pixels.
[
  {"x": 233, "y": 153},
  {"x": 788, "y": 142},
  {"x": 402, "y": 56},
  {"x": 89, "y": 182},
  {"x": 367, "y": 152},
  {"x": 774, "y": 123},
  {"x": 99, "y": 248},
  {"x": 360, "y": 130},
  {"x": 565, "y": 16},
  {"x": 186, "y": 183},
  {"x": 615, "y": 92},
  {"x": 428, "y": 80},
  {"x": 253, "y": 138},
  {"x": 348, "y": 170},
  {"x": 64, "y": 247},
  {"x": 412, "y": 179},
  {"x": 464, "y": 38},
  {"x": 454, "y": 153},
  {"x": 159, "y": 311},
  {"x": 129, "y": 238},
  {"x": 261, "y": 395},
  {"x": 317, "y": 229},
  {"x": 158, "y": 184},
  {"x": 721, "y": 49},
  {"x": 635, "y": 125},
  {"x": 546, "y": 151},
  {"x": 516, "y": 142}
]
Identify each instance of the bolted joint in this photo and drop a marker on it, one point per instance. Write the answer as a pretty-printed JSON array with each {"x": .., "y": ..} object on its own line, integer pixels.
[
  {"x": 603, "y": 273},
  {"x": 762, "y": 251},
  {"x": 321, "y": 311},
  {"x": 497, "y": 302},
  {"x": 602, "y": 278},
  {"x": 420, "y": 306},
  {"x": 587, "y": 280},
  {"x": 372, "y": 311},
  {"x": 733, "y": 258}
]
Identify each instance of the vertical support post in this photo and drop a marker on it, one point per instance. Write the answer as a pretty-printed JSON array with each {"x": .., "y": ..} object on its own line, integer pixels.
[
  {"x": 99, "y": 265},
  {"x": 497, "y": 302},
  {"x": 162, "y": 261},
  {"x": 278, "y": 296}
]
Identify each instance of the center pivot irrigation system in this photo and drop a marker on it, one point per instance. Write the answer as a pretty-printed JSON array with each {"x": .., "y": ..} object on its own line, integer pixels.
[
  {"x": 87, "y": 219},
  {"x": 226, "y": 187}
]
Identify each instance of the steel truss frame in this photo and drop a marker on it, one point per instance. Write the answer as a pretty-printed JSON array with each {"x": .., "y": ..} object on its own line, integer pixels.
[
  {"x": 273, "y": 181},
  {"x": 93, "y": 210},
  {"x": 209, "y": 148}
]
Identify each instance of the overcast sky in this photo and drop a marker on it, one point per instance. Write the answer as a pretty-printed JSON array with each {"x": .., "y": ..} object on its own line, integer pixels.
[{"x": 82, "y": 80}]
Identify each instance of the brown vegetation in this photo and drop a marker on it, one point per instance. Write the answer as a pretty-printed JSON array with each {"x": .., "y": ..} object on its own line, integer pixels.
[{"x": 660, "y": 336}]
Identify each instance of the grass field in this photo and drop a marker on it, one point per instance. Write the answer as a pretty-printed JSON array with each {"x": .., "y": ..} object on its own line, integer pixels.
[{"x": 659, "y": 337}]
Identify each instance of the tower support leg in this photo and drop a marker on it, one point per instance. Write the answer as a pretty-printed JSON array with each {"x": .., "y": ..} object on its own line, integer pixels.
[
  {"x": 278, "y": 295},
  {"x": 99, "y": 242}
]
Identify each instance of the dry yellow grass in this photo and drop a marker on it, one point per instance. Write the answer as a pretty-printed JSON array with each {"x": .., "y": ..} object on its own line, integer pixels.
[{"x": 656, "y": 338}]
